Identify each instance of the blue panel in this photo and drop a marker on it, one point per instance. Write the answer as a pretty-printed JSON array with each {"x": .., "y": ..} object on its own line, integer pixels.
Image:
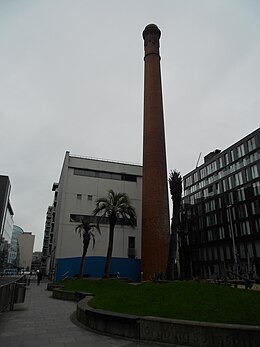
[{"x": 94, "y": 267}]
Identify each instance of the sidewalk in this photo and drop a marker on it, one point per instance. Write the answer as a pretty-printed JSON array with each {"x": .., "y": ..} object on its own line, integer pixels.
[{"x": 44, "y": 321}]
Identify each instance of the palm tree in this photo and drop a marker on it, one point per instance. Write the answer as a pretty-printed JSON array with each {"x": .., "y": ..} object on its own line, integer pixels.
[
  {"x": 114, "y": 206},
  {"x": 175, "y": 182},
  {"x": 85, "y": 229}
]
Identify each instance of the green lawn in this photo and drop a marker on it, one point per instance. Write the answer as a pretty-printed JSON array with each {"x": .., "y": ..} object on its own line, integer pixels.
[{"x": 179, "y": 300}]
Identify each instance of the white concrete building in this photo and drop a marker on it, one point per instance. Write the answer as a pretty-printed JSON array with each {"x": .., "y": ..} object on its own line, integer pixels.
[
  {"x": 81, "y": 182},
  {"x": 26, "y": 243}
]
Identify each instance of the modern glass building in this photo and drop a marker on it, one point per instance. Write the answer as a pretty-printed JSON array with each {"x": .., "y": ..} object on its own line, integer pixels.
[
  {"x": 6, "y": 222},
  {"x": 220, "y": 216},
  {"x": 14, "y": 253}
]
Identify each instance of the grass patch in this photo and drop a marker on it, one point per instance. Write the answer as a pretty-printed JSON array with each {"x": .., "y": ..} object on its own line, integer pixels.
[{"x": 178, "y": 300}]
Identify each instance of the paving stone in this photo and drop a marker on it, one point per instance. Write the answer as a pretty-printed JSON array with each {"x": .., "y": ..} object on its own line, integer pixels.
[{"x": 46, "y": 322}]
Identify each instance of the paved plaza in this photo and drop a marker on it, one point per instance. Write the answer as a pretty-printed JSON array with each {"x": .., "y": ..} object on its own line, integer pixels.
[{"x": 44, "y": 321}]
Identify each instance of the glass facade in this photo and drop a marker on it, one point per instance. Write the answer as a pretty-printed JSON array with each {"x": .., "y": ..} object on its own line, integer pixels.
[
  {"x": 14, "y": 254},
  {"x": 220, "y": 213}
]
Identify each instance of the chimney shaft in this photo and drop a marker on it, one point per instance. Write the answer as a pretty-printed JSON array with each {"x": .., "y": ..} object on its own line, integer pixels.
[{"x": 155, "y": 204}]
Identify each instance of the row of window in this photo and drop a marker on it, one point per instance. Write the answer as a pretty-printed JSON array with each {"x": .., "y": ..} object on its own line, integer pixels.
[
  {"x": 233, "y": 230},
  {"x": 79, "y": 197},
  {"x": 246, "y": 175},
  {"x": 210, "y": 169},
  {"x": 229, "y": 214},
  {"x": 225, "y": 185},
  {"x": 223, "y": 253},
  {"x": 79, "y": 218},
  {"x": 105, "y": 174},
  {"x": 231, "y": 197}
]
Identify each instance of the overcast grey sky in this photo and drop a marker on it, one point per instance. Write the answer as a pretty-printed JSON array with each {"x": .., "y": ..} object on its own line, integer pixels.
[{"x": 71, "y": 78}]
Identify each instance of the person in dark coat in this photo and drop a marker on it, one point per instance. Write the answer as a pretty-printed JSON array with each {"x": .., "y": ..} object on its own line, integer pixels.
[{"x": 39, "y": 276}]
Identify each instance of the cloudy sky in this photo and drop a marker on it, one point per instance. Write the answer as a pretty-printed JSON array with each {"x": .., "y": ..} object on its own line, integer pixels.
[{"x": 71, "y": 78}]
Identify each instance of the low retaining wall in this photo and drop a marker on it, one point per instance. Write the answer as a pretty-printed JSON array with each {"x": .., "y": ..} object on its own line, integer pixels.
[
  {"x": 108, "y": 322},
  {"x": 51, "y": 286},
  {"x": 198, "y": 334},
  {"x": 68, "y": 295},
  {"x": 179, "y": 332}
]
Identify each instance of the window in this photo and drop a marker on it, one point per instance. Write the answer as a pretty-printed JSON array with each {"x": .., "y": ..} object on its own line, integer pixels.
[
  {"x": 105, "y": 175},
  {"x": 238, "y": 179},
  {"x": 125, "y": 177},
  {"x": 241, "y": 194},
  {"x": 230, "y": 182},
  {"x": 255, "y": 205},
  {"x": 256, "y": 188},
  {"x": 188, "y": 181},
  {"x": 227, "y": 252},
  {"x": 227, "y": 158},
  {"x": 217, "y": 187},
  {"x": 197, "y": 196},
  {"x": 79, "y": 196},
  {"x": 220, "y": 162},
  {"x": 250, "y": 250},
  {"x": 245, "y": 228},
  {"x": 131, "y": 242},
  {"x": 90, "y": 197},
  {"x": 195, "y": 177},
  {"x": 210, "y": 206},
  {"x": 254, "y": 171},
  {"x": 248, "y": 179},
  {"x": 76, "y": 218},
  {"x": 257, "y": 225},
  {"x": 231, "y": 198},
  {"x": 224, "y": 185},
  {"x": 193, "y": 188},
  {"x": 221, "y": 233},
  {"x": 131, "y": 247},
  {"x": 205, "y": 193},
  {"x": 241, "y": 150},
  {"x": 212, "y": 167},
  {"x": 251, "y": 144},
  {"x": 253, "y": 157},
  {"x": 221, "y": 252},
  {"x": 242, "y": 211},
  {"x": 203, "y": 172},
  {"x": 211, "y": 220},
  {"x": 242, "y": 250},
  {"x": 192, "y": 199},
  {"x": 232, "y": 155}
]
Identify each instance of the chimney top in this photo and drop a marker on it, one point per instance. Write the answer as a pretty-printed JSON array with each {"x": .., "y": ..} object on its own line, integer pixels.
[
  {"x": 151, "y": 29},
  {"x": 151, "y": 36}
]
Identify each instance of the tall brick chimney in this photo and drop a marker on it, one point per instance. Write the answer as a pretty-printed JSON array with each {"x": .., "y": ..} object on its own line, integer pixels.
[{"x": 155, "y": 206}]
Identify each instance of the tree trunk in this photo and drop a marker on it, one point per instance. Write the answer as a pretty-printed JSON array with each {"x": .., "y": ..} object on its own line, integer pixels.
[
  {"x": 169, "y": 274},
  {"x": 109, "y": 249},
  {"x": 82, "y": 263},
  {"x": 86, "y": 239}
]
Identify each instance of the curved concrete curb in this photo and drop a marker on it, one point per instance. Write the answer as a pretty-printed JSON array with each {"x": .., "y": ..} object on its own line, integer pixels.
[
  {"x": 178, "y": 332},
  {"x": 68, "y": 295},
  {"x": 120, "y": 324},
  {"x": 171, "y": 331}
]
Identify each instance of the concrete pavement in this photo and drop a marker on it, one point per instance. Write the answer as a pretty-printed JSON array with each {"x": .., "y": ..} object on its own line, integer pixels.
[{"x": 44, "y": 321}]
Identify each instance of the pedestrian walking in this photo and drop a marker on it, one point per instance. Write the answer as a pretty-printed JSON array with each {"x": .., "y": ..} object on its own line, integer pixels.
[{"x": 39, "y": 277}]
